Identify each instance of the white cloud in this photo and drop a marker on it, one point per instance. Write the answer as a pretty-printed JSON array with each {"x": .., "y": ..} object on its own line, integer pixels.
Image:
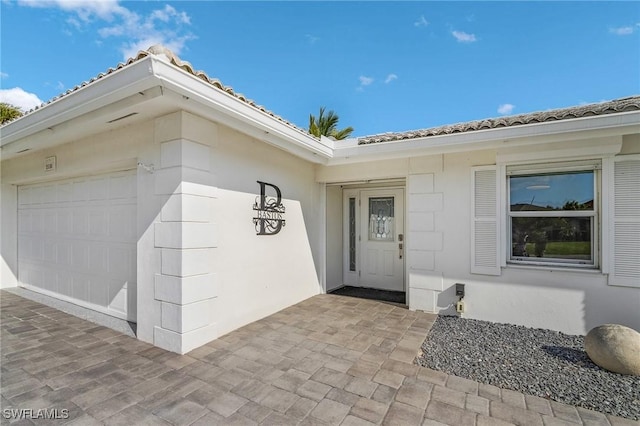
[
  {"x": 4, "y": 75},
  {"x": 168, "y": 13},
  {"x": 390, "y": 78},
  {"x": 166, "y": 25},
  {"x": 506, "y": 109},
  {"x": 463, "y": 37},
  {"x": 623, "y": 30},
  {"x": 20, "y": 98},
  {"x": 422, "y": 22},
  {"x": 311, "y": 38},
  {"x": 85, "y": 10},
  {"x": 365, "y": 81}
]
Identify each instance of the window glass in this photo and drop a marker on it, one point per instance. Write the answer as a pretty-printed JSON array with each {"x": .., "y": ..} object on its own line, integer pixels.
[
  {"x": 381, "y": 219},
  {"x": 352, "y": 234},
  {"x": 565, "y": 238},
  {"x": 553, "y": 218},
  {"x": 551, "y": 192}
]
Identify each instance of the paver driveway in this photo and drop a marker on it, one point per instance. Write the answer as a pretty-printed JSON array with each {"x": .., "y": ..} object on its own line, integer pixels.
[{"x": 327, "y": 360}]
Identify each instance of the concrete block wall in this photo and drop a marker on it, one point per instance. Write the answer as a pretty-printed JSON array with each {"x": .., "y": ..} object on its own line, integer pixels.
[
  {"x": 186, "y": 233},
  {"x": 424, "y": 242}
]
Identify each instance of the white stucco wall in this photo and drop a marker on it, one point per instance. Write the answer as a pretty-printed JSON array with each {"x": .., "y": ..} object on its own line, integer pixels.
[
  {"x": 201, "y": 269},
  {"x": 334, "y": 238},
  {"x": 438, "y": 242},
  {"x": 261, "y": 274}
]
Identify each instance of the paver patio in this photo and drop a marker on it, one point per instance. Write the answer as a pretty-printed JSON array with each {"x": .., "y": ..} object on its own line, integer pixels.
[{"x": 327, "y": 360}]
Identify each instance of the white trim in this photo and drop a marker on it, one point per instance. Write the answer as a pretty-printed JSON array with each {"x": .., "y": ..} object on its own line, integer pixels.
[
  {"x": 493, "y": 219},
  {"x": 350, "y": 277},
  {"x": 78, "y": 302},
  {"x": 586, "y": 149},
  {"x": 561, "y": 166},
  {"x": 593, "y": 166},
  {"x": 614, "y": 280},
  {"x": 322, "y": 239}
]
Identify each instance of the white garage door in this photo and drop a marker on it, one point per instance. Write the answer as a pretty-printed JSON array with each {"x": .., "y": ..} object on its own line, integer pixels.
[{"x": 77, "y": 241}]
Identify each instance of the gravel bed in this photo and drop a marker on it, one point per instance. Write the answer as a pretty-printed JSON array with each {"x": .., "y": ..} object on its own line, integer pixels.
[{"x": 539, "y": 362}]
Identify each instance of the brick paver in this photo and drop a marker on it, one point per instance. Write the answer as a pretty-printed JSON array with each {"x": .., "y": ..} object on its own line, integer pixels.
[{"x": 327, "y": 360}]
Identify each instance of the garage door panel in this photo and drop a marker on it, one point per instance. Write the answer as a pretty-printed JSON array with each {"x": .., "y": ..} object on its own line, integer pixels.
[
  {"x": 64, "y": 192},
  {"x": 120, "y": 265},
  {"x": 64, "y": 221},
  {"x": 98, "y": 189},
  {"x": 48, "y": 195},
  {"x": 36, "y": 221},
  {"x": 80, "y": 286},
  {"x": 79, "y": 256},
  {"x": 122, "y": 188},
  {"x": 77, "y": 239},
  {"x": 80, "y": 222},
  {"x": 50, "y": 248},
  {"x": 122, "y": 223},
  {"x": 79, "y": 190},
  {"x": 63, "y": 254},
  {"x": 24, "y": 221},
  {"x": 64, "y": 283},
  {"x": 98, "y": 259},
  {"x": 98, "y": 291},
  {"x": 49, "y": 221},
  {"x": 118, "y": 296},
  {"x": 37, "y": 249},
  {"x": 98, "y": 224}
]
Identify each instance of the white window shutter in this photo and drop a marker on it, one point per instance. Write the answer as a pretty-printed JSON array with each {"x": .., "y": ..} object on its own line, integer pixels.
[
  {"x": 625, "y": 268},
  {"x": 485, "y": 232}
]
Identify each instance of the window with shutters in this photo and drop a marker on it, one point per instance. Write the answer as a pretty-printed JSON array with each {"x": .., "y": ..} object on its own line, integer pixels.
[
  {"x": 625, "y": 264},
  {"x": 552, "y": 214}
]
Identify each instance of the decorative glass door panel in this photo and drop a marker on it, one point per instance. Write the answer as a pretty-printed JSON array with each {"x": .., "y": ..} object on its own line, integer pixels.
[
  {"x": 381, "y": 246},
  {"x": 381, "y": 219}
]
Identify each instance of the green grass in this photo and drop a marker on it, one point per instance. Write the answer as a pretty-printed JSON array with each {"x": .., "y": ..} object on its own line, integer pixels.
[{"x": 563, "y": 248}]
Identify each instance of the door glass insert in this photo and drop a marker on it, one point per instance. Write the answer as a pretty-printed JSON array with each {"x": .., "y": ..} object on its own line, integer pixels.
[
  {"x": 352, "y": 234},
  {"x": 381, "y": 219}
]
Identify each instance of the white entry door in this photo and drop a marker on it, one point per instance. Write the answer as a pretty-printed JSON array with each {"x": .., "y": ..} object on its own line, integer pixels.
[
  {"x": 381, "y": 239},
  {"x": 77, "y": 241}
]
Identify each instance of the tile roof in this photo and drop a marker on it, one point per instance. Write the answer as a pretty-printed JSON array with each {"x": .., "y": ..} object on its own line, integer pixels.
[
  {"x": 158, "y": 50},
  {"x": 615, "y": 106},
  {"x": 611, "y": 107}
]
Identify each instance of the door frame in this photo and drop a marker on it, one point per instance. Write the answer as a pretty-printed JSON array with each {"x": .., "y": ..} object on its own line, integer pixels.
[{"x": 350, "y": 276}]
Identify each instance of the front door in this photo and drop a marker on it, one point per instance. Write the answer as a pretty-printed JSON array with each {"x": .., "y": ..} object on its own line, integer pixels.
[{"x": 381, "y": 239}]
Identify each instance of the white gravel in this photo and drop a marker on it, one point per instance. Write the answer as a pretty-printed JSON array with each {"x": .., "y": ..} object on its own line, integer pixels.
[{"x": 539, "y": 362}]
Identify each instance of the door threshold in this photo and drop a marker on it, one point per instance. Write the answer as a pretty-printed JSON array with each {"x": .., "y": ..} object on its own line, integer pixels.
[{"x": 398, "y": 297}]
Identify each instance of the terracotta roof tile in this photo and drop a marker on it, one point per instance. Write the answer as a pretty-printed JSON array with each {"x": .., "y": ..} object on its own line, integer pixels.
[
  {"x": 611, "y": 107},
  {"x": 184, "y": 65}
]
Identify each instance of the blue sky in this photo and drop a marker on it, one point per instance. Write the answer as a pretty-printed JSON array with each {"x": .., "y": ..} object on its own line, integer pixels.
[{"x": 382, "y": 66}]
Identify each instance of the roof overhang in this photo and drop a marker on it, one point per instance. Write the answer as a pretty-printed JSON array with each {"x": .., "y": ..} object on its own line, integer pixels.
[
  {"x": 152, "y": 86},
  {"x": 143, "y": 90},
  {"x": 548, "y": 132}
]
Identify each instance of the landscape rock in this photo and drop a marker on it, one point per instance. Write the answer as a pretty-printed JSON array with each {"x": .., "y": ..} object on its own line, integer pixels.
[{"x": 615, "y": 348}]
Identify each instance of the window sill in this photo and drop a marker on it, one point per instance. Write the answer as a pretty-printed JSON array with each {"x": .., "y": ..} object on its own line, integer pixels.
[{"x": 554, "y": 268}]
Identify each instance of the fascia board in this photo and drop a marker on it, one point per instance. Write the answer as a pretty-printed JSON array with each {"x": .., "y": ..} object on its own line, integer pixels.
[
  {"x": 242, "y": 116},
  {"x": 133, "y": 78},
  {"x": 585, "y": 127}
]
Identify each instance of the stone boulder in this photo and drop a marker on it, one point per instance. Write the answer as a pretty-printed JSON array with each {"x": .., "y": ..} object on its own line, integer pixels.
[{"x": 615, "y": 348}]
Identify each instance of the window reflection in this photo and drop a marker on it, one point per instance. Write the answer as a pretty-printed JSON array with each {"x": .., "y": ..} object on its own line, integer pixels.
[{"x": 549, "y": 192}]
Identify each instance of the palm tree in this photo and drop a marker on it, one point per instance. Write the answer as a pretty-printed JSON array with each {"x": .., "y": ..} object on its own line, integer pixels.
[
  {"x": 327, "y": 125},
  {"x": 9, "y": 112}
]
